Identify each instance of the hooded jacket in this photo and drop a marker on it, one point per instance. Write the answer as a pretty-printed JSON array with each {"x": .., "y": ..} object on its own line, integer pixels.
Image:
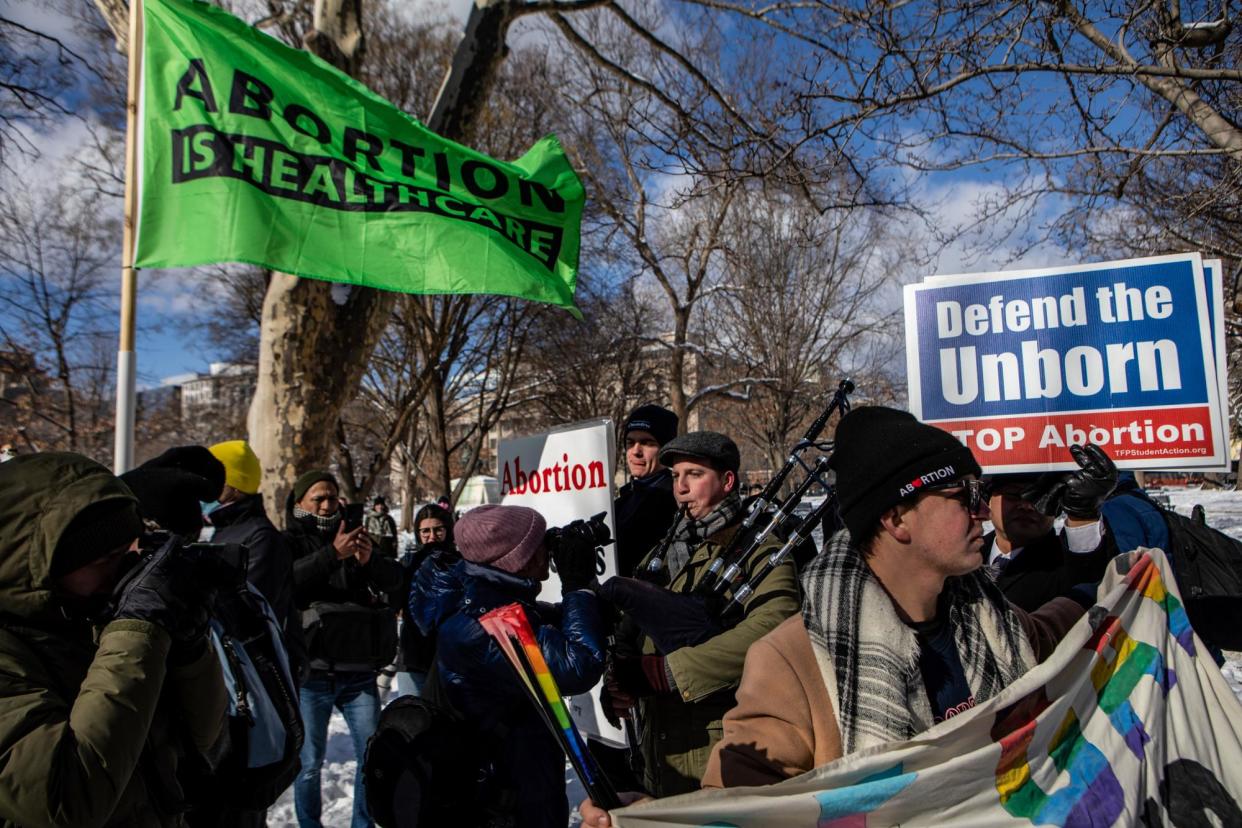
[
  {"x": 93, "y": 729},
  {"x": 480, "y": 682}
]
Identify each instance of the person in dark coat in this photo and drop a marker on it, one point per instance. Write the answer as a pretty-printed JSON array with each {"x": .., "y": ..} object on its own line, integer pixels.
[
  {"x": 416, "y": 652},
  {"x": 349, "y": 628},
  {"x": 1033, "y": 563},
  {"x": 238, "y": 516},
  {"x": 1133, "y": 518},
  {"x": 645, "y": 507},
  {"x": 504, "y": 560}
]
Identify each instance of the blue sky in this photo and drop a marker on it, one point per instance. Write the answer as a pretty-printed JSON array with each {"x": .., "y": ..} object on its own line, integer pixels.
[{"x": 167, "y": 344}]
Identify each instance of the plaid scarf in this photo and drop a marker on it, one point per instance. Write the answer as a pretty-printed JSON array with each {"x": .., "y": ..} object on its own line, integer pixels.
[
  {"x": 693, "y": 532},
  {"x": 325, "y": 526},
  {"x": 869, "y": 658}
]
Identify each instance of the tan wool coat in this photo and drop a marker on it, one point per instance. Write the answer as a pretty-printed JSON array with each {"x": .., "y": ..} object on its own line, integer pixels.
[{"x": 783, "y": 724}]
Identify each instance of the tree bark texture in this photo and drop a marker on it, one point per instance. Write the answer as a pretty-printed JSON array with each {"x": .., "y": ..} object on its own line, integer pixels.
[{"x": 312, "y": 349}]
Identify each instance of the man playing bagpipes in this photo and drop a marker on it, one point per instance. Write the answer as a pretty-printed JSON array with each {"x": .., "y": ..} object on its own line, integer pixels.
[{"x": 681, "y": 693}]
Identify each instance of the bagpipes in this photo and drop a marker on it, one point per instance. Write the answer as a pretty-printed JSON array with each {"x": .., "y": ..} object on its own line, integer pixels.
[
  {"x": 717, "y": 602},
  {"x": 511, "y": 629}
]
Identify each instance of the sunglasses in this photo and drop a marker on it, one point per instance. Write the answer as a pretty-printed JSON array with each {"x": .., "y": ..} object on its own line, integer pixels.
[{"x": 973, "y": 496}]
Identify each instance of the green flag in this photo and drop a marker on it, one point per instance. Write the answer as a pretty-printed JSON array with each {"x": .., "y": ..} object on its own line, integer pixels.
[{"x": 256, "y": 152}]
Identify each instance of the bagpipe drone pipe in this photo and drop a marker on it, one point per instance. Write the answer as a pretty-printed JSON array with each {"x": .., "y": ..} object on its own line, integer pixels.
[{"x": 717, "y": 602}]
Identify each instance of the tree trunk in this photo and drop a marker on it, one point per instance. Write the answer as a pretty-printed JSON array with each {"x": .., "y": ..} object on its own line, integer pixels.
[
  {"x": 436, "y": 466},
  {"x": 312, "y": 350},
  {"x": 312, "y": 353}
]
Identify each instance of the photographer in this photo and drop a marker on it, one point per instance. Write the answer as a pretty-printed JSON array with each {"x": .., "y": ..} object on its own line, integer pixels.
[
  {"x": 505, "y": 559},
  {"x": 97, "y": 730},
  {"x": 350, "y": 631}
]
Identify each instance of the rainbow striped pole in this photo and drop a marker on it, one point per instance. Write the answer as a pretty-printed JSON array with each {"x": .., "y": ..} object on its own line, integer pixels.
[{"x": 508, "y": 625}]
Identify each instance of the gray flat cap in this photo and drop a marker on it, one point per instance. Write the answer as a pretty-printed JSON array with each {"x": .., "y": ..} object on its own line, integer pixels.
[{"x": 710, "y": 447}]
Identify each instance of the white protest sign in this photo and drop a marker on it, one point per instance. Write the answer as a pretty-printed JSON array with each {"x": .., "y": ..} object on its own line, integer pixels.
[
  {"x": 566, "y": 474},
  {"x": 1019, "y": 365}
]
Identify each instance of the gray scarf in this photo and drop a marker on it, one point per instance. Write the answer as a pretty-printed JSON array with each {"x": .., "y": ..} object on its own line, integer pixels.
[
  {"x": 693, "y": 532},
  {"x": 869, "y": 658}
]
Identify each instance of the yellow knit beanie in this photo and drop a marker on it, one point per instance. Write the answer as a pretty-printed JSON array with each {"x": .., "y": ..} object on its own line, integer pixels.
[{"x": 241, "y": 465}]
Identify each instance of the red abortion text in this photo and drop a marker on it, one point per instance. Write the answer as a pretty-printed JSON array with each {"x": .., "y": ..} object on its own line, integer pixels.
[{"x": 560, "y": 477}]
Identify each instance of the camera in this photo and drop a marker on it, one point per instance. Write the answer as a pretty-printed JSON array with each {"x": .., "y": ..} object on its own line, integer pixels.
[
  {"x": 214, "y": 565},
  {"x": 593, "y": 531}
]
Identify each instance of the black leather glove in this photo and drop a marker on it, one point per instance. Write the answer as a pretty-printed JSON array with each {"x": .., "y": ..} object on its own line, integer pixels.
[
  {"x": 574, "y": 555},
  {"x": 171, "y": 487},
  {"x": 639, "y": 676},
  {"x": 1080, "y": 493},
  {"x": 163, "y": 590},
  {"x": 1088, "y": 488}
]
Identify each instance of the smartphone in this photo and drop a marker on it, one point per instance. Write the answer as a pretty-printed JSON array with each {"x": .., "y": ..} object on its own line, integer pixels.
[{"x": 353, "y": 516}]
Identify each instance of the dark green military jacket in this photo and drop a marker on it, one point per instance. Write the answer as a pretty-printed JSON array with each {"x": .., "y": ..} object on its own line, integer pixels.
[
  {"x": 93, "y": 724},
  {"x": 677, "y": 732}
]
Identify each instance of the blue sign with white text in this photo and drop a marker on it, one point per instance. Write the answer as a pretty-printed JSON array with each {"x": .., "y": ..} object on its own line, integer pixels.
[
  {"x": 1124, "y": 348},
  {"x": 1119, "y": 337}
]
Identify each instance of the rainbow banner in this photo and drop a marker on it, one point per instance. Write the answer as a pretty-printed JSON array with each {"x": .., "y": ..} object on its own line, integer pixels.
[
  {"x": 1129, "y": 722},
  {"x": 507, "y": 625}
]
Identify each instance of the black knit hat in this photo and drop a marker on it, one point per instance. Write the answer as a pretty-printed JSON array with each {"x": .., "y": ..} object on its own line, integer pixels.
[
  {"x": 94, "y": 532},
  {"x": 656, "y": 420},
  {"x": 711, "y": 447},
  {"x": 171, "y": 488},
  {"x": 303, "y": 483},
  {"x": 883, "y": 456}
]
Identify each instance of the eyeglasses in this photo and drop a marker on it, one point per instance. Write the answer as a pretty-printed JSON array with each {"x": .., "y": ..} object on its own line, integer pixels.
[{"x": 973, "y": 496}]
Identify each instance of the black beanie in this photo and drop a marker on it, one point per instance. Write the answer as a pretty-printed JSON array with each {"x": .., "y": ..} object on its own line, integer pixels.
[
  {"x": 302, "y": 485},
  {"x": 171, "y": 488},
  {"x": 882, "y": 456},
  {"x": 94, "y": 532},
  {"x": 656, "y": 420}
]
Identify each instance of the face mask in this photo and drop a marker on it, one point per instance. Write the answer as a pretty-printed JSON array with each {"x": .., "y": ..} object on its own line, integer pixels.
[{"x": 208, "y": 508}]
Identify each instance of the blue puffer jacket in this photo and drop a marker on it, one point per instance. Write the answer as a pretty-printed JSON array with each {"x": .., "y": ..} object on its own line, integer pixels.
[{"x": 481, "y": 683}]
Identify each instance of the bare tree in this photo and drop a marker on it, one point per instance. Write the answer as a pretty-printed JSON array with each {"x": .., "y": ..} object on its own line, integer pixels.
[
  {"x": 57, "y": 250},
  {"x": 601, "y": 366},
  {"x": 800, "y": 304}
]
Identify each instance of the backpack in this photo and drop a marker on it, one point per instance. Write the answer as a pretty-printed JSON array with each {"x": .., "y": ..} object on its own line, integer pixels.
[
  {"x": 425, "y": 765},
  {"x": 1207, "y": 564},
  {"x": 264, "y": 720}
]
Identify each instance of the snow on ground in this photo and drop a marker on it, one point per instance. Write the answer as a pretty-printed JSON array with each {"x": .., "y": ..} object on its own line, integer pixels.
[
  {"x": 336, "y": 780},
  {"x": 1224, "y": 512}
]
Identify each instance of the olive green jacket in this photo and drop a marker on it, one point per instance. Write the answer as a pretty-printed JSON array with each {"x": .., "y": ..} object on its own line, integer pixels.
[
  {"x": 93, "y": 725},
  {"x": 678, "y": 731}
]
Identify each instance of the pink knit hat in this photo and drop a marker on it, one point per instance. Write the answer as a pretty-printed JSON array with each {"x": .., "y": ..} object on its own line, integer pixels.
[{"x": 505, "y": 537}]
